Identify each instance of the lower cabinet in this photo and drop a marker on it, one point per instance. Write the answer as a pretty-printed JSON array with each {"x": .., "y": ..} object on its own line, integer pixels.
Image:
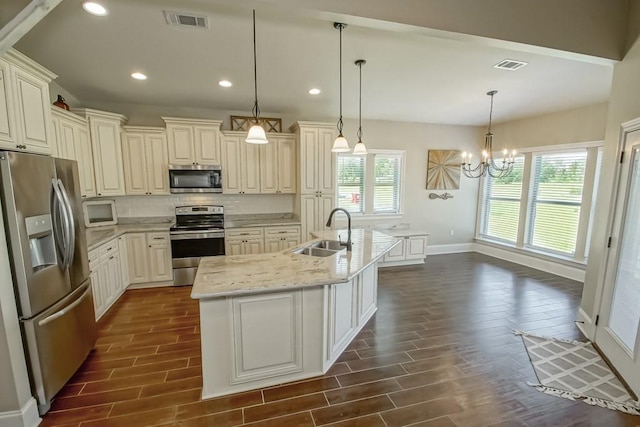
[
  {"x": 411, "y": 250},
  {"x": 278, "y": 239},
  {"x": 106, "y": 277},
  {"x": 149, "y": 257},
  {"x": 258, "y": 240}
]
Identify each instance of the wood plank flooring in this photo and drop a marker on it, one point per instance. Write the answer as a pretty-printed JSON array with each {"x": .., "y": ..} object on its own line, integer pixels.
[{"x": 438, "y": 353}]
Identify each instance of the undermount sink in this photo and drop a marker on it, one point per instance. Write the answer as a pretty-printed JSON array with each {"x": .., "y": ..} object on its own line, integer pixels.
[{"x": 321, "y": 248}]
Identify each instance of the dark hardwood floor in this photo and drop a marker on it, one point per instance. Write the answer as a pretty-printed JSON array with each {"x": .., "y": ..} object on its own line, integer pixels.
[{"x": 439, "y": 352}]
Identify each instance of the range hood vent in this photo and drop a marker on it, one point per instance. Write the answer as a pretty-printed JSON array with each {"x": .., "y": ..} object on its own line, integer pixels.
[
  {"x": 186, "y": 20},
  {"x": 510, "y": 64}
]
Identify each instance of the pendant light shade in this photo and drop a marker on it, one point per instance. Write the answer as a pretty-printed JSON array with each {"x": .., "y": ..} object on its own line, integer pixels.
[
  {"x": 360, "y": 147},
  {"x": 256, "y": 134},
  {"x": 340, "y": 145}
]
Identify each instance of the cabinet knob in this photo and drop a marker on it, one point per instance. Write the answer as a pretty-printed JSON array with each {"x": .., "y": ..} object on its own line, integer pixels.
[
  {"x": 111, "y": 257},
  {"x": 99, "y": 194}
]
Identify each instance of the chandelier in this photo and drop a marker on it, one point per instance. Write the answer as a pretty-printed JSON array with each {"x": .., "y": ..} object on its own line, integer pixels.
[{"x": 488, "y": 164}]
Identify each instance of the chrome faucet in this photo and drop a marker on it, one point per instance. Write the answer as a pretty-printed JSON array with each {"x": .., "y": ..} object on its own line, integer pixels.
[{"x": 348, "y": 243}]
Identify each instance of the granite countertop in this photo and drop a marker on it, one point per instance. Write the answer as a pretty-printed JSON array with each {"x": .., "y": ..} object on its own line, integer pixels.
[
  {"x": 98, "y": 235},
  {"x": 260, "y": 220},
  {"x": 403, "y": 232},
  {"x": 242, "y": 274}
]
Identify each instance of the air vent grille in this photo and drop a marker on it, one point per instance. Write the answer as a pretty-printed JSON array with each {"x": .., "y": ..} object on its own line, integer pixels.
[
  {"x": 186, "y": 20},
  {"x": 510, "y": 64}
]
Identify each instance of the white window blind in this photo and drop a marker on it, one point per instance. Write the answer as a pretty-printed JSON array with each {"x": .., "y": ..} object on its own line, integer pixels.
[
  {"x": 555, "y": 202},
  {"x": 501, "y": 210},
  {"x": 386, "y": 193},
  {"x": 351, "y": 177}
]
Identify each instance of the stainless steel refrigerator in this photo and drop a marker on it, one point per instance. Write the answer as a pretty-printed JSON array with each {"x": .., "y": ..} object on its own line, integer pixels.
[{"x": 50, "y": 268}]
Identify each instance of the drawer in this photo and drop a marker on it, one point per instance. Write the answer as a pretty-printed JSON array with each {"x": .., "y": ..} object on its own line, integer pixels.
[
  {"x": 94, "y": 256},
  {"x": 244, "y": 233},
  {"x": 158, "y": 238},
  {"x": 282, "y": 231},
  {"x": 108, "y": 249}
]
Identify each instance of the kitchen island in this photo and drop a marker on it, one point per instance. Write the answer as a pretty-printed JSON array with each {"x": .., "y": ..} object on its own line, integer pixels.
[{"x": 273, "y": 318}]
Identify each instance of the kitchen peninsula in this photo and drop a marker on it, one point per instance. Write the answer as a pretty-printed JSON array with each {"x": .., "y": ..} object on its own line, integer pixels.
[{"x": 278, "y": 317}]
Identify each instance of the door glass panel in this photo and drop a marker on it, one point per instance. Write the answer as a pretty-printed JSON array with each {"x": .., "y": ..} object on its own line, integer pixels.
[{"x": 625, "y": 310}]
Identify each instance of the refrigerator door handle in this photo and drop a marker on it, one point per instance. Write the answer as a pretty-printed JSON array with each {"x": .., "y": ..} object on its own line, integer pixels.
[
  {"x": 65, "y": 310},
  {"x": 71, "y": 237},
  {"x": 60, "y": 211}
]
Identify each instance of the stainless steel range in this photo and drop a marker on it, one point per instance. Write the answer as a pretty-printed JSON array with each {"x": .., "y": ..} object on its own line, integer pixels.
[{"x": 199, "y": 232}]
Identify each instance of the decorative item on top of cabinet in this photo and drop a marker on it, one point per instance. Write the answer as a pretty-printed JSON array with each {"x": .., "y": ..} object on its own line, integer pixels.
[
  {"x": 244, "y": 123},
  {"x": 60, "y": 103},
  {"x": 71, "y": 141},
  {"x": 193, "y": 141},
  {"x": 144, "y": 153},
  {"x": 240, "y": 165},
  {"x": 278, "y": 165},
  {"x": 25, "y": 114},
  {"x": 107, "y": 150}
]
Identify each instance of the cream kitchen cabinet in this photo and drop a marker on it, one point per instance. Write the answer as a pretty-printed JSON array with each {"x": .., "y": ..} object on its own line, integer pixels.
[
  {"x": 277, "y": 239},
  {"x": 278, "y": 165},
  {"x": 106, "y": 145},
  {"x": 317, "y": 162},
  {"x": 105, "y": 273},
  {"x": 412, "y": 249},
  {"x": 314, "y": 212},
  {"x": 193, "y": 141},
  {"x": 72, "y": 141},
  {"x": 144, "y": 153},
  {"x": 240, "y": 165},
  {"x": 244, "y": 241},
  {"x": 25, "y": 116},
  {"x": 149, "y": 257}
]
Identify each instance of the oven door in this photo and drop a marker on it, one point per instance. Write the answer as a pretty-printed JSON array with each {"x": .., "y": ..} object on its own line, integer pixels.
[{"x": 187, "y": 247}]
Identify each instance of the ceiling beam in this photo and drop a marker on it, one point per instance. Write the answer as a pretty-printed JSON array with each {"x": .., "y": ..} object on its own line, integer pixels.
[{"x": 24, "y": 21}]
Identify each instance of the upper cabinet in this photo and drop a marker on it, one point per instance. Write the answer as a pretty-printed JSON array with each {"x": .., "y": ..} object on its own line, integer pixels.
[
  {"x": 278, "y": 165},
  {"x": 193, "y": 141},
  {"x": 240, "y": 165},
  {"x": 71, "y": 141},
  {"x": 317, "y": 162},
  {"x": 107, "y": 150},
  {"x": 144, "y": 151},
  {"x": 25, "y": 116}
]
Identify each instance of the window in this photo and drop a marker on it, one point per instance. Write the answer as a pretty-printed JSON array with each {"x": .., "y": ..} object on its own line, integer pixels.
[
  {"x": 502, "y": 205},
  {"x": 555, "y": 202},
  {"x": 543, "y": 205},
  {"x": 371, "y": 184}
]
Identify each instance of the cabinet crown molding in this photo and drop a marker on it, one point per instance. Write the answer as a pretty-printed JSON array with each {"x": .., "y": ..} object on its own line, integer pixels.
[
  {"x": 146, "y": 129},
  {"x": 58, "y": 112},
  {"x": 244, "y": 133},
  {"x": 297, "y": 125},
  {"x": 188, "y": 121},
  {"x": 90, "y": 113},
  {"x": 29, "y": 64}
]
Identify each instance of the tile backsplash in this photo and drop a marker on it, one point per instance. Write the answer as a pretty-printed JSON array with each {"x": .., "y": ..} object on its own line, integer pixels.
[{"x": 151, "y": 206}]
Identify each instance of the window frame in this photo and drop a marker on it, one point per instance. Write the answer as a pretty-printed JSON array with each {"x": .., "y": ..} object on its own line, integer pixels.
[{"x": 369, "y": 183}]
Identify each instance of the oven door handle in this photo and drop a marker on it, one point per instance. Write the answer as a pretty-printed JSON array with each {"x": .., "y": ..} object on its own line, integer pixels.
[{"x": 189, "y": 235}]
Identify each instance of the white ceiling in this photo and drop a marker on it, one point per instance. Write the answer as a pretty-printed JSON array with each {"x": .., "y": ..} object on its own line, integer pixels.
[{"x": 408, "y": 76}]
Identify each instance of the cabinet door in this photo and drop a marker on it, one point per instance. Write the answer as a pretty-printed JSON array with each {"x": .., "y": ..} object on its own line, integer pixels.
[
  {"x": 308, "y": 215},
  {"x": 416, "y": 247},
  {"x": 287, "y": 166},
  {"x": 325, "y": 206},
  {"x": 341, "y": 318},
  {"x": 269, "y": 167},
  {"x": 137, "y": 257},
  {"x": 103, "y": 284},
  {"x": 326, "y": 160},
  {"x": 55, "y": 135},
  {"x": 124, "y": 261},
  {"x": 250, "y": 168},
  {"x": 157, "y": 164},
  {"x": 181, "y": 150},
  {"x": 290, "y": 242},
  {"x": 98, "y": 300},
  {"x": 114, "y": 285},
  {"x": 397, "y": 253},
  {"x": 207, "y": 145},
  {"x": 367, "y": 293},
  {"x": 231, "y": 165},
  {"x": 254, "y": 246},
  {"x": 309, "y": 164},
  {"x": 107, "y": 156},
  {"x": 234, "y": 246},
  {"x": 33, "y": 114},
  {"x": 7, "y": 121},
  {"x": 160, "y": 268},
  {"x": 66, "y": 140},
  {"x": 85, "y": 162},
  {"x": 133, "y": 156},
  {"x": 273, "y": 244}
]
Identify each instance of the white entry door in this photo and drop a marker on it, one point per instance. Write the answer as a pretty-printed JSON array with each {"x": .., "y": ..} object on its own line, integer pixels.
[{"x": 617, "y": 333}]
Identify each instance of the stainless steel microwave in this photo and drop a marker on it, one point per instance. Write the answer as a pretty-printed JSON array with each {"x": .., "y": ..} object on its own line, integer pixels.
[{"x": 195, "y": 179}]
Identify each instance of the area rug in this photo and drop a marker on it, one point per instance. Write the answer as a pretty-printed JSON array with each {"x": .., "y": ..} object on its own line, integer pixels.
[{"x": 574, "y": 370}]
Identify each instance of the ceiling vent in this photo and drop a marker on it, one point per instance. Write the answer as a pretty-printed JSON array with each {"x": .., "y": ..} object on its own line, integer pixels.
[
  {"x": 510, "y": 64},
  {"x": 186, "y": 20}
]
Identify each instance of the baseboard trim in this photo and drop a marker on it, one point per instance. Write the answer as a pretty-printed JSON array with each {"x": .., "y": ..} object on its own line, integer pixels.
[
  {"x": 586, "y": 325},
  {"x": 552, "y": 267},
  {"x": 401, "y": 263},
  {"x": 27, "y": 416},
  {"x": 151, "y": 285},
  {"x": 450, "y": 249}
]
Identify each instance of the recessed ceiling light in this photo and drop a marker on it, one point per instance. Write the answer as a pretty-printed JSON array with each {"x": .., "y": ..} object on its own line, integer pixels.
[
  {"x": 139, "y": 76},
  {"x": 95, "y": 8},
  {"x": 314, "y": 91},
  {"x": 225, "y": 83}
]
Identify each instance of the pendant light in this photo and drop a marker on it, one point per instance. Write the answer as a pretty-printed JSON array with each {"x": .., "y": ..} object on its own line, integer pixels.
[
  {"x": 360, "y": 148},
  {"x": 256, "y": 132},
  {"x": 487, "y": 164},
  {"x": 340, "y": 145}
]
